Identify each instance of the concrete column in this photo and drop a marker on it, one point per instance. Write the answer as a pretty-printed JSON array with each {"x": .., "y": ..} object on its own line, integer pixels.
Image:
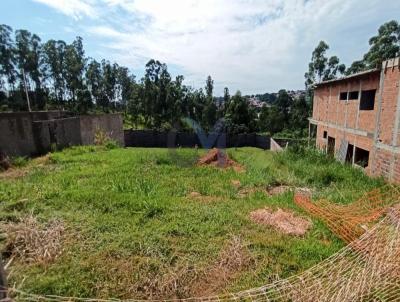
[{"x": 378, "y": 116}]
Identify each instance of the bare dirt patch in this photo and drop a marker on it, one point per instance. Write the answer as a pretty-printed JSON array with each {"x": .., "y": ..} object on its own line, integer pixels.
[
  {"x": 277, "y": 190},
  {"x": 219, "y": 158},
  {"x": 271, "y": 190},
  {"x": 284, "y": 221},
  {"x": 33, "y": 242}
]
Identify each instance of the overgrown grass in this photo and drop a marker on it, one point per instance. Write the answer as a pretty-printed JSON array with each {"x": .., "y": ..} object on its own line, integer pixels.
[{"x": 133, "y": 232}]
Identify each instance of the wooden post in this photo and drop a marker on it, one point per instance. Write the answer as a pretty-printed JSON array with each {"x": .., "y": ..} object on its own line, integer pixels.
[{"x": 3, "y": 282}]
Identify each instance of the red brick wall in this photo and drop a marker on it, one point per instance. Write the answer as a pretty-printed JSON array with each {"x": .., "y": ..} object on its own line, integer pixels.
[
  {"x": 389, "y": 105},
  {"x": 384, "y": 159}
]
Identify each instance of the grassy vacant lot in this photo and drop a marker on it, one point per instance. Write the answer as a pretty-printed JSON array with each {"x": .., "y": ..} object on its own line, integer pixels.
[{"x": 133, "y": 228}]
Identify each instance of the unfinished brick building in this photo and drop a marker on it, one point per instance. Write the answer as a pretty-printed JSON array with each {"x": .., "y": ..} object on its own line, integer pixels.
[{"x": 357, "y": 119}]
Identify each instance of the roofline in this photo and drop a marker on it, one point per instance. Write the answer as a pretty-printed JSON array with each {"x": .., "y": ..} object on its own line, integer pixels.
[{"x": 354, "y": 75}]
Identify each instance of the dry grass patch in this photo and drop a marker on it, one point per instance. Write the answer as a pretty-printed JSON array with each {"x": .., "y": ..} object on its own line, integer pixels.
[
  {"x": 33, "y": 242},
  {"x": 233, "y": 258},
  {"x": 142, "y": 278},
  {"x": 284, "y": 221},
  {"x": 18, "y": 172}
]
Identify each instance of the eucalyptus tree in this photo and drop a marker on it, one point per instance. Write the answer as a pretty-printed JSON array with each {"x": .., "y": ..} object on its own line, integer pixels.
[
  {"x": 28, "y": 50},
  {"x": 385, "y": 45},
  {"x": 7, "y": 58},
  {"x": 94, "y": 81},
  {"x": 74, "y": 64},
  {"x": 53, "y": 60}
]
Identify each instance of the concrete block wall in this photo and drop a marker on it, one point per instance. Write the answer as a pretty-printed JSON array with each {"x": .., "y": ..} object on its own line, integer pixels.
[
  {"x": 110, "y": 124},
  {"x": 17, "y": 132},
  {"x": 28, "y": 134}
]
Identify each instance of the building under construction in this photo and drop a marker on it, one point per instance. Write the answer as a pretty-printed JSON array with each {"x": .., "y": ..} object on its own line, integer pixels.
[{"x": 357, "y": 119}]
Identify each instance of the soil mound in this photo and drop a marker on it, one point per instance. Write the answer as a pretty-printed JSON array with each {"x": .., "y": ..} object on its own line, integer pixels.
[{"x": 218, "y": 158}]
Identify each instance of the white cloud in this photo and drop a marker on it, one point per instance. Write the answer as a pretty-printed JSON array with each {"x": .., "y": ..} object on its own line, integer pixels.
[
  {"x": 72, "y": 8},
  {"x": 252, "y": 45}
]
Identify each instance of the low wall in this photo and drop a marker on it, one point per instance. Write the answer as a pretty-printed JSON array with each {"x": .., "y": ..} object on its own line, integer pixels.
[
  {"x": 61, "y": 133},
  {"x": 110, "y": 124},
  {"x": 28, "y": 134},
  {"x": 16, "y": 131},
  {"x": 275, "y": 146},
  {"x": 155, "y": 139}
]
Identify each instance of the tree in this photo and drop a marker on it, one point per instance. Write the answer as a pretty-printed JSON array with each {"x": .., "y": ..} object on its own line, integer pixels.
[
  {"x": 240, "y": 117},
  {"x": 125, "y": 83},
  {"x": 227, "y": 97},
  {"x": 356, "y": 66},
  {"x": 53, "y": 59},
  {"x": 28, "y": 54},
  {"x": 321, "y": 68},
  {"x": 283, "y": 104},
  {"x": 299, "y": 113},
  {"x": 74, "y": 66},
  {"x": 209, "y": 87},
  {"x": 210, "y": 108},
  {"x": 7, "y": 58},
  {"x": 94, "y": 80},
  {"x": 271, "y": 120},
  {"x": 385, "y": 45},
  {"x": 108, "y": 84}
]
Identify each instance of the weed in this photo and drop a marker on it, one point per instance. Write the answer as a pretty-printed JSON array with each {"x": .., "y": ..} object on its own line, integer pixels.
[{"x": 19, "y": 161}]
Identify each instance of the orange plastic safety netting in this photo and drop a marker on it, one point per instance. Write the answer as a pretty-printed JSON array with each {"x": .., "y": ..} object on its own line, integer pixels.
[{"x": 349, "y": 221}]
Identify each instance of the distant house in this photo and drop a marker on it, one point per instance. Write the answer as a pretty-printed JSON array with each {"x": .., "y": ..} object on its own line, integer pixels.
[
  {"x": 255, "y": 102},
  {"x": 357, "y": 119}
]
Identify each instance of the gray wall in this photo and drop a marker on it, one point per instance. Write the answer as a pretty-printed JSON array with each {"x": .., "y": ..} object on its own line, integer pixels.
[
  {"x": 27, "y": 134},
  {"x": 16, "y": 131},
  {"x": 111, "y": 124}
]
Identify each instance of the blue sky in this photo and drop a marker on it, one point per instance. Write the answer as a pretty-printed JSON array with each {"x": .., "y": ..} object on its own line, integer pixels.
[{"x": 250, "y": 45}]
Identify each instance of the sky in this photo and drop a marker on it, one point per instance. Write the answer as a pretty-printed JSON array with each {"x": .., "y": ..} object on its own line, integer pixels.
[{"x": 254, "y": 46}]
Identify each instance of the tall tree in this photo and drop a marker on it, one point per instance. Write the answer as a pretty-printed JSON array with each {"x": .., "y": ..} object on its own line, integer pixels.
[
  {"x": 74, "y": 65},
  {"x": 356, "y": 66},
  {"x": 240, "y": 117},
  {"x": 109, "y": 82},
  {"x": 28, "y": 54},
  {"x": 209, "y": 87},
  {"x": 322, "y": 68},
  {"x": 53, "y": 59},
  {"x": 7, "y": 58},
  {"x": 385, "y": 45}
]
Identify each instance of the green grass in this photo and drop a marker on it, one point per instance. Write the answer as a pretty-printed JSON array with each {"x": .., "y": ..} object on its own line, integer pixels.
[{"x": 132, "y": 226}]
